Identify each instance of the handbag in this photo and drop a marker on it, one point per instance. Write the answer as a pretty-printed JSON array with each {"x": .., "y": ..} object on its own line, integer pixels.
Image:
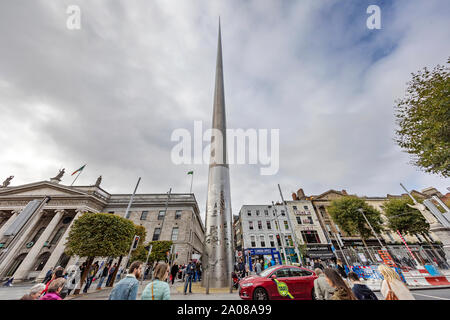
[
  {"x": 153, "y": 297},
  {"x": 390, "y": 295}
]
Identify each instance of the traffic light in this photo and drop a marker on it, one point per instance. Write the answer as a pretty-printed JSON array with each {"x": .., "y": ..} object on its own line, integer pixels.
[
  {"x": 136, "y": 242},
  {"x": 278, "y": 240}
]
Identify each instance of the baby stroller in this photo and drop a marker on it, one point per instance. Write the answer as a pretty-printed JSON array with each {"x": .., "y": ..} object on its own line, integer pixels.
[{"x": 235, "y": 280}]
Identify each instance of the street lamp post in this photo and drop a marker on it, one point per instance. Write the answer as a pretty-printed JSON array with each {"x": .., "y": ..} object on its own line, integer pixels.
[
  {"x": 371, "y": 228},
  {"x": 294, "y": 237},
  {"x": 281, "y": 234}
]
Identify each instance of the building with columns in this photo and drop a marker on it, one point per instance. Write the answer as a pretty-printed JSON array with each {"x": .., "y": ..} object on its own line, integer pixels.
[{"x": 33, "y": 233}]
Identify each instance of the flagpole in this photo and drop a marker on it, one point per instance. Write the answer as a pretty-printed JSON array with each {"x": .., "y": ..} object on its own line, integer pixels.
[
  {"x": 192, "y": 179},
  {"x": 76, "y": 177}
]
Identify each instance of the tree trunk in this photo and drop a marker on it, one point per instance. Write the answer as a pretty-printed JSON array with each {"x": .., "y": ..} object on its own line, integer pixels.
[
  {"x": 113, "y": 278},
  {"x": 84, "y": 275}
]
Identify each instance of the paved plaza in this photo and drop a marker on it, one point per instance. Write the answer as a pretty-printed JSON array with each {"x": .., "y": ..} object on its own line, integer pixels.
[{"x": 176, "y": 293}]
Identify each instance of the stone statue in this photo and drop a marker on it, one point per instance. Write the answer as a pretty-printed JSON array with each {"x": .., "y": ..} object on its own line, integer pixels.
[
  {"x": 7, "y": 182},
  {"x": 99, "y": 180},
  {"x": 59, "y": 175}
]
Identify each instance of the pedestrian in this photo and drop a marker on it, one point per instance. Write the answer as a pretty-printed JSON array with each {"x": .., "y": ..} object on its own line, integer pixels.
[
  {"x": 190, "y": 269},
  {"x": 342, "y": 291},
  {"x": 103, "y": 276},
  {"x": 72, "y": 277},
  {"x": 322, "y": 289},
  {"x": 174, "y": 272},
  {"x": 197, "y": 271},
  {"x": 92, "y": 271},
  {"x": 360, "y": 290},
  {"x": 242, "y": 268},
  {"x": 110, "y": 274},
  {"x": 34, "y": 293},
  {"x": 59, "y": 273},
  {"x": 158, "y": 289},
  {"x": 48, "y": 276},
  {"x": 54, "y": 289},
  {"x": 200, "y": 271},
  {"x": 258, "y": 268},
  {"x": 127, "y": 288},
  {"x": 341, "y": 269},
  {"x": 9, "y": 282},
  {"x": 392, "y": 287}
]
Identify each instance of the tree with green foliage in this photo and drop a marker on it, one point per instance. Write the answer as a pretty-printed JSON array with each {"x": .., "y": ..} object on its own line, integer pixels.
[
  {"x": 99, "y": 235},
  {"x": 345, "y": 213},
  {"x": 159, "y": 251},
  {"x": 403, "y": 218},
  {"x": 140, "y": 253},
  {"x": 423, "y": 117}
]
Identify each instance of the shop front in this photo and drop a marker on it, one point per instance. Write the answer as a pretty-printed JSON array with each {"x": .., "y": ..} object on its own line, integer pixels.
[
  {"x": 319, "y": 251},
  {"x": 266, "y": 254}
]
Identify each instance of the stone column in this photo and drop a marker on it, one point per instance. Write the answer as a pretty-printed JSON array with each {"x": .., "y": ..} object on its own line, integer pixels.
[
  {"x": 27, "y": 263},
  {"x": 59, "y": 249},
  {"x": 8, "y": 223},
  {"x": 14, "y": 248}
]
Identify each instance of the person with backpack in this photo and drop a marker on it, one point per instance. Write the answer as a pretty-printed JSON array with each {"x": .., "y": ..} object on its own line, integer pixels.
[
  {"x": 127, "y": 288},
  {"x": 158, "y": 289},
  {"x": 360, "y": 290}
]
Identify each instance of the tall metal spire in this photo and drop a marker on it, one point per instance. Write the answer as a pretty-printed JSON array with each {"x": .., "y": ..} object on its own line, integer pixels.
[{"x": 218, "y": 251}]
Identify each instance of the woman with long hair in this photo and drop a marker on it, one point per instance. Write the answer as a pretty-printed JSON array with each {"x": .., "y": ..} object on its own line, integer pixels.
[
  {"x": 342, "y": 291},
  {"x": 392, "y": 287},
  {"x": 158, "y": 289}
]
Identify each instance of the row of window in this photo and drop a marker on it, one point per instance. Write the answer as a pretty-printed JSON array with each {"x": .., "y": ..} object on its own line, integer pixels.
[
  {"x": 304, "y": 207},
  {"x": 266, "y": 213},
  {"x": 271, "y": 243},
  {"x": 161, "y": 215},
  {"x": 157, "y": 233},
  {"x": 259, "y": 225},
  {"x": 307, "y": 220}
]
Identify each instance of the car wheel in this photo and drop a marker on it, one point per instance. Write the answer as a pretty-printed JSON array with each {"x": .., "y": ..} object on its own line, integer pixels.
[{"x": 260, "y": 294}]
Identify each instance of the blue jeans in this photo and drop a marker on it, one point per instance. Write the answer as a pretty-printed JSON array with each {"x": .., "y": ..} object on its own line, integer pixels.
[
  {"x": 88, "y": 284},
  {"x": 188, "y": 280},
  {"x": 100, "y": 282}
]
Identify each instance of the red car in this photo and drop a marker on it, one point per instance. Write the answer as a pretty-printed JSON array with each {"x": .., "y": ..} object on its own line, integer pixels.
[{"x": 299, "y": 281}]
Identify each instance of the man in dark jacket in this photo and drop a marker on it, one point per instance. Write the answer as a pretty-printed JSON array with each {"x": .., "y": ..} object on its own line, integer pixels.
[
  {"x": 360, "y": 290},
  {"x": 174, "y": 272},
  {"x": 190, "y": 270},
  {"x": 340, "y": 269},
  {"x": 103, "y": 276}
]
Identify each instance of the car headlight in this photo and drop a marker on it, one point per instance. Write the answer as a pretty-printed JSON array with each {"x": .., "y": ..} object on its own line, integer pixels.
[{"x": 248, "y": 284}]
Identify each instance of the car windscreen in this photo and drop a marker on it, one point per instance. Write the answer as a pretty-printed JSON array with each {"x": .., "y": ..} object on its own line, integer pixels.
[{"x": 267, "y": 271}]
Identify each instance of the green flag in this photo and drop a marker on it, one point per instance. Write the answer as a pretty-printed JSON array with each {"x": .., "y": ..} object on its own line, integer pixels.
[{"x": 190, "y": 172}]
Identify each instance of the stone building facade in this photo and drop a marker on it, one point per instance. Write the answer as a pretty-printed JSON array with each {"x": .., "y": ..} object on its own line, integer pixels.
[
  {"x": 308, "y": 230},
  {"x": 31, "y": 247},
  {"x": 265, "y": 230}
]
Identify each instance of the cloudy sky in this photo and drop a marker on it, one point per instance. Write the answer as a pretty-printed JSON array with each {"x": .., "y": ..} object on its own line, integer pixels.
[{"x": 111, "y": 93}]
